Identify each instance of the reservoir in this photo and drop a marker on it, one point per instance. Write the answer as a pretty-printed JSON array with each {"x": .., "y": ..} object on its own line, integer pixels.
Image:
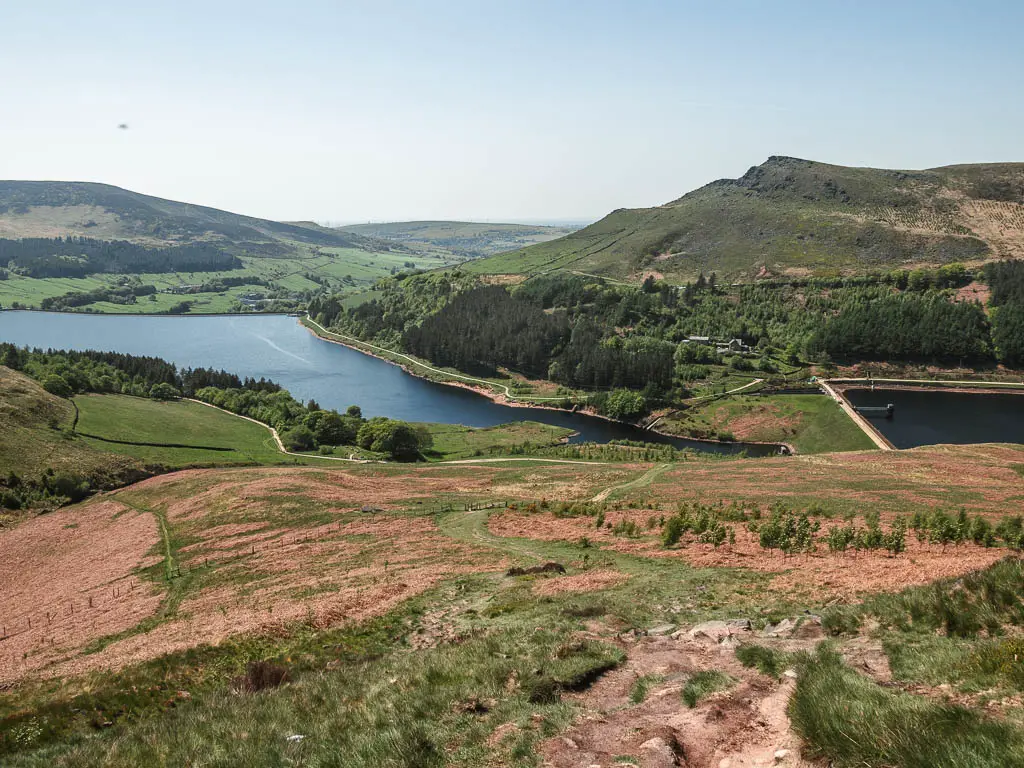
[
  {"x": 944, "y": 416},
  {"x": 277, "y": 347}
]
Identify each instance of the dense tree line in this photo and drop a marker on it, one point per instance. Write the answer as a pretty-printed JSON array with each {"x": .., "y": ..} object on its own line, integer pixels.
[
  {"x": 907, "y": 326},
  {"x": 1006, "y": 281},
  {"x": 116, "y": 372},
  {"x": 485, "y": 328},
  {"x": 593, "y": 361},
  {"x": 121, "y": 294},
  {"x": 82, "y": 256},
  {"x": 398, "y": 303},
  {"x": 587, "y": 333},
  {"x": 560, "y": 290}
]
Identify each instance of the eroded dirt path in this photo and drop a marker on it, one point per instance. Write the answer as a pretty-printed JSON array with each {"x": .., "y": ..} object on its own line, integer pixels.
[{"x": 742, "y": 726}]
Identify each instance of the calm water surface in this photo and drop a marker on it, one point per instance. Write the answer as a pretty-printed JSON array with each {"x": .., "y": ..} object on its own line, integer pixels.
[
  {"x": 277, "y": 347},
  {"x": 927, "y": 418}
]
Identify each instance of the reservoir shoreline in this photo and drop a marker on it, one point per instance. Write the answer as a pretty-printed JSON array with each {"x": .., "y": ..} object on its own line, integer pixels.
[
  {"x": 335, "y": 375},
  {"x": 505, "y": 400}
]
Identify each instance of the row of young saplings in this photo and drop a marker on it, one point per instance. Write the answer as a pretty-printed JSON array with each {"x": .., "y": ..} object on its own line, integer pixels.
[
  {"x": 793, "y": 532},
  {"x": 614, "y": 450}
]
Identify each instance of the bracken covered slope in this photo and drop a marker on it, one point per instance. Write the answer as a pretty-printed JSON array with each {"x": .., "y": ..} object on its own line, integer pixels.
[{"x": 799, "y": 217}]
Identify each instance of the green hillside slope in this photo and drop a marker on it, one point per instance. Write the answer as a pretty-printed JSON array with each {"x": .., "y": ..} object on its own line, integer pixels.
[
  {"x": 105, "y": 212},
  {"x": 794, "y": 217},
  {"x": 465, "y": 239},
  {"x": 278, "y": 261},
  {"x": 36, "y": 438}
]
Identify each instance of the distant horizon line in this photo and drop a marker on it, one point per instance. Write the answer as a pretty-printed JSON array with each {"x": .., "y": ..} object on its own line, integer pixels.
[{"x": 556, "y": 221}]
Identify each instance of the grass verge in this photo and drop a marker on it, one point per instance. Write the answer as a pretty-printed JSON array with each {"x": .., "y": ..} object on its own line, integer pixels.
[{"x": 851, "y": 721}]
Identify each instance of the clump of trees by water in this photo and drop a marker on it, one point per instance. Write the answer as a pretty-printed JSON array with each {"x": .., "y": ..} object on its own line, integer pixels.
[
  {"x": 486, "y": 328},
  {"x": 116, "y": 372},
  {"x": 83, "y": 256},
  {"x": 905, "y": 326}
]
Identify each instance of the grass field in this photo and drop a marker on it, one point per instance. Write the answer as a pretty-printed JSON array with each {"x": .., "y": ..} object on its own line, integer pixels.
[
  {"x": 218, "y": 438},
  {"x": 140, "y": 420},
  {"x": 810, "y": 423},
  {"x": 454, "y": 441},
  {"x": 291, "y": 257}
]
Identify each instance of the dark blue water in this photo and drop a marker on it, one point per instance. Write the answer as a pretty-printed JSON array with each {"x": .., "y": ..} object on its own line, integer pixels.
[
  {"x": 937, "y": 416},
  {"x": 277, "y": 347}
]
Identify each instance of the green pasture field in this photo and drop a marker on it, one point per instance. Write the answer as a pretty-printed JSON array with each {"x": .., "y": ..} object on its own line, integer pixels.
[
  {"x": 140, "y": 420},
  {"x": 454, "y": 441},
  {"x": 810, "y": 423}
]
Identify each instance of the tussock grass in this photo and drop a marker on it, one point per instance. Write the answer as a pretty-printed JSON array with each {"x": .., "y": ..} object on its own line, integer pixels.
[
  {"x": 427, "y": 708},
  {"x": 767, "y": 660},
  {"x": 850, "y": 720},
  {"x": 641, "y": 687},
  {"x": 703, "y": 684},
  {"x": 990, "y": 666},
  {"x": 961, "y": 607}
]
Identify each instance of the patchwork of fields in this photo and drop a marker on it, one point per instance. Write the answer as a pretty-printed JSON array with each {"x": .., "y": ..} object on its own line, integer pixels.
[{"x": 344, "y": 269}]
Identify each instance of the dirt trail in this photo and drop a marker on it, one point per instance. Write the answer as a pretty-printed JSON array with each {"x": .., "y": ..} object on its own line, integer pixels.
[
  {"x": 644, "y": 479},
  {"x": 472, "y": 527},
  {"x": 748, "y": 385},
  {"x": 277, "y": 437},
  {"x": 743, "y": 726}
]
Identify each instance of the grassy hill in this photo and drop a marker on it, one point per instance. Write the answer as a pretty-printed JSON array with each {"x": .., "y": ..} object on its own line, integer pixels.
[
  {"x": 798, "y": 217},
  {"x": 105, "y": 212},
  {"x": 280, "y": 259},
  {"x": 36, "y": 435},
  {"x": 135, "y": 426},
  {"x": 182, "y": 433},
  {"x": 464, "y": 239}
]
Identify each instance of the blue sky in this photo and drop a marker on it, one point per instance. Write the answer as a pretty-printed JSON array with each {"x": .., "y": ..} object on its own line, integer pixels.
[{"x": 354, "y": 111}]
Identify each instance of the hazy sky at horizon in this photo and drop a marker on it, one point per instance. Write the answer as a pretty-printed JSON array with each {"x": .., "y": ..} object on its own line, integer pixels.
[{"x": 354, "y": 111}]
